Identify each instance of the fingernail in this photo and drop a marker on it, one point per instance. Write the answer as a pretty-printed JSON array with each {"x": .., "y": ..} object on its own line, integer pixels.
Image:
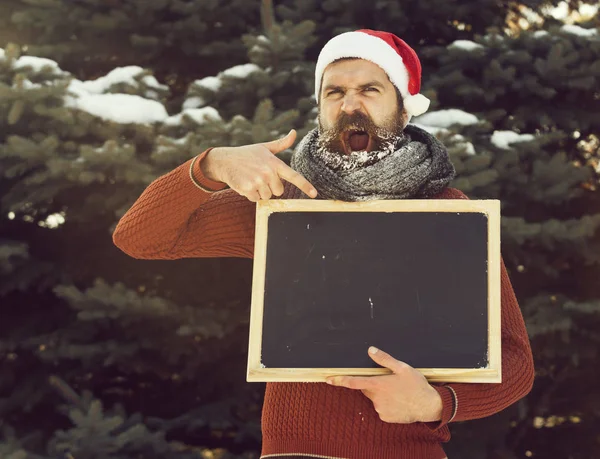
[
  {"x": 373, "y": 350},
  {"x": 313, "y": 193}
]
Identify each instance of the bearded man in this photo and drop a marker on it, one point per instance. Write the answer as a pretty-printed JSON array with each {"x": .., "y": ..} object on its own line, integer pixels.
[{"x": 367, "y": 86}]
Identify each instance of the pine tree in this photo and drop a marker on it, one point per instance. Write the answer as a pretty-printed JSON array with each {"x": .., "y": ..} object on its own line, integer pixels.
[
  {"x": 171, "y": 35},
  {"x": 71, "y": 165}
]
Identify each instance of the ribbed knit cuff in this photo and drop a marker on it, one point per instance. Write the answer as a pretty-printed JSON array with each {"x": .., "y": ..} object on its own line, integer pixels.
[
  {"x": 200, "y": 180},
  {"x": 449, "y": 407},
  {"x": 338, "y": 448}
]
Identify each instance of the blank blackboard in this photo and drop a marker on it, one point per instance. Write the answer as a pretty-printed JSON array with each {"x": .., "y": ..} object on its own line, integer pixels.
[{"x": 417, "y": 279}]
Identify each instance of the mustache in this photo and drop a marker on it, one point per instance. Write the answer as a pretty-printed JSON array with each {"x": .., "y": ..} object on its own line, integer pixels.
[
  {"x": 355, "y": 121},
  {"x": 381, "y": 136}
]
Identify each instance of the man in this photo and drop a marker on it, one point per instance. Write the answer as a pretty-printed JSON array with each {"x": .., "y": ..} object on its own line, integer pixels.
[{"x": 367, "y": 86}]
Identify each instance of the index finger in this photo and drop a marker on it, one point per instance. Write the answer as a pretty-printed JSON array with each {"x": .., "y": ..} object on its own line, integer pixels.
[
  {"x": 386, "y": 360},
  {"x": 289, "y": 174},
  {"x": 351, "y": 382}
]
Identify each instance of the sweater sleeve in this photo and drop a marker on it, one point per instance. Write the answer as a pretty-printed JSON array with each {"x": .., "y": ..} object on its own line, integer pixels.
[
  {"x": 175, "y": 218},
  {"x": 465, "y": 401}
]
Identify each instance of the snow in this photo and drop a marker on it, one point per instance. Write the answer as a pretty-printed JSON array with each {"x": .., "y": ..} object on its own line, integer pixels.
[
  {"x": 37, "y": 64},
  {"x": 466, "y": 45},
  {"x": 579, "y": 31},
  {"x": 78, "y": 88},
  {"x": 241, "y": 71},
  {"x": 446, "y": 118},
  {"x": 119, "y": 75},
  {"x": 211, "y": 82},
  {"x": 469, "y": 148},
  {"x": 151, "y": 82},
  {"x": 193, "y": 102},
  {"x": 214, "y": 83},
  {"x": 199, "y": 115},
  {"x": 89, "y": 96},
  {"x": 120, "y": 108},
  {"x": 530, "y": 17},
  {"x": 502, "y": 139},
  {"x": 588, "y": 11},
  {"x": 27, "y": 84},
  {"x": 356, "y": 159},
  {"x": 560, "y": 11},
  {"x": 431, "y": 129}
]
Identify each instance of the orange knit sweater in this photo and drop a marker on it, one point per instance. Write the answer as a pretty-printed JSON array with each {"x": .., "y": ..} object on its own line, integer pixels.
[{"x": 175, "y": 219}]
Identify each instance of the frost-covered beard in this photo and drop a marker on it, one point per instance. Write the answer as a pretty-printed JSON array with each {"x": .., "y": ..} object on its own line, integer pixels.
[{"x": 333, "y": 143}]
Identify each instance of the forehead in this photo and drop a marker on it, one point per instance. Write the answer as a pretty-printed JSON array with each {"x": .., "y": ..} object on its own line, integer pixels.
[{"x": 353, "y": 71}]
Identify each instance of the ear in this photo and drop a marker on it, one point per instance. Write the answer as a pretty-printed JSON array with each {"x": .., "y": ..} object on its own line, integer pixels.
[{"x": 405, "y": 117}]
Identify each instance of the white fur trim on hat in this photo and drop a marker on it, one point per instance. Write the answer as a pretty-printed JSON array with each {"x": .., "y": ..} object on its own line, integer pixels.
[
  {"x": 368, "y": 47},
  {"x": 416, "y": 104}
]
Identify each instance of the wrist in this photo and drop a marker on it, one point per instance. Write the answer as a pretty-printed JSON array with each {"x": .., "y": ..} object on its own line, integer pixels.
[
  {"x": 200, "y": 179},
  {"x": 209, "y": 164},
  {"x": 436, "y": 405}
]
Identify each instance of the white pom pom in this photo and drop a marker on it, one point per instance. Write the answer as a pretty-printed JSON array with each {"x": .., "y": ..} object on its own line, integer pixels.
[{"x": 416, "y": 105}]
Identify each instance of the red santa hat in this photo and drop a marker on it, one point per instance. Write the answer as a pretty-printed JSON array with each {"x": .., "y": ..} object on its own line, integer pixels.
[{"x": 389, "y": 52}]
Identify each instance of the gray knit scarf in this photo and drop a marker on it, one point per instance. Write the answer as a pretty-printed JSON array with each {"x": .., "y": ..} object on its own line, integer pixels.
[{"x": 417, "y": 166}]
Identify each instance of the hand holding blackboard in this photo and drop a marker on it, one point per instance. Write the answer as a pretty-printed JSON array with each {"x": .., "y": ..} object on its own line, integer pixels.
[{"x": 402, "y": 397}]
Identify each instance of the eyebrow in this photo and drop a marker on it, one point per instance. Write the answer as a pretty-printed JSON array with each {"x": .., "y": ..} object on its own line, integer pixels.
[{"x": 362, "y": 86}]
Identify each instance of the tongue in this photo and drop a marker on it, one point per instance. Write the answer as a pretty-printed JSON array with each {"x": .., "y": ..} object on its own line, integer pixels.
[{"x": 358, "y": 141}]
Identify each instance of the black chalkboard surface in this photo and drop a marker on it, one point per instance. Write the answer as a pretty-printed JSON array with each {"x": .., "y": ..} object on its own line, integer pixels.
[{"x": 413, "y": 278}]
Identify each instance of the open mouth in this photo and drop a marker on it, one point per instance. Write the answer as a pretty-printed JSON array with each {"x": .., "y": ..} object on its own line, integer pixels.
[{"x": 356, "y": 140}]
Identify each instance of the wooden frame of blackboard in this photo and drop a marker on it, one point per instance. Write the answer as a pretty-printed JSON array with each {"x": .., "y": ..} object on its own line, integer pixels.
[{"x": 257, "y": 372}]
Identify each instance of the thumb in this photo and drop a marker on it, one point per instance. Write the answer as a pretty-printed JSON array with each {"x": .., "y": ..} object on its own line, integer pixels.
[
  {"x": 386, "y": 360},
  {"x": 277, "y": 146}
]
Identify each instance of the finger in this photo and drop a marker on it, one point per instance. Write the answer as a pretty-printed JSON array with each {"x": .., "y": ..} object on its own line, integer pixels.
[
  {"x": 276, "y": 186},
  {"x": 289, "y": 174},
  {"x": 251, "y": 195},
  {"x": 279, "y": 145},
  {"x": 351, "y": 382},
  {"x": 264, "y": 191},
  {"x": 368, "y": 393},
  {"x": 386, "y": 360}
]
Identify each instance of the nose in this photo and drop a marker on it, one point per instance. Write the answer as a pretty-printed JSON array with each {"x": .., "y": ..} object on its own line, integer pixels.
[{"x": 350, "y": 104}]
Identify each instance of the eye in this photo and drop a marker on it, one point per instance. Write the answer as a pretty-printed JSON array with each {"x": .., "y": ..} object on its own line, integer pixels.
[
  {"x": 371, "y": 89},
  {"x": 333, "y": 91}
]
